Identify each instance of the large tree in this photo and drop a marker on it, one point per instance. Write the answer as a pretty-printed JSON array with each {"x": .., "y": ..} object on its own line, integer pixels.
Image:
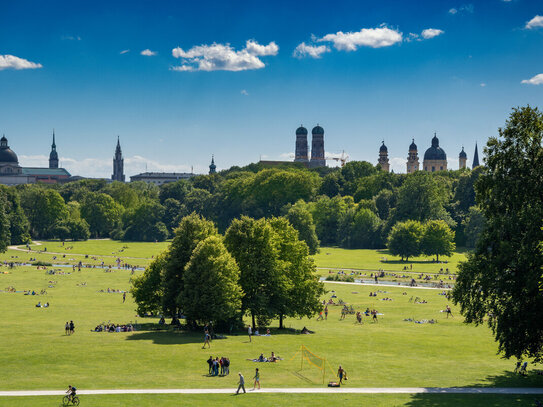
[
  {"x": 502, "y": 282},
  {"x": 101, "y": 212},
  {"x": 404, "y": 239},
  {"x": 301, "y": 219},
  {"x": 211, "y": 284},
  {"x": 438, "y": 239},
  {"x": 43, "y": 208}
]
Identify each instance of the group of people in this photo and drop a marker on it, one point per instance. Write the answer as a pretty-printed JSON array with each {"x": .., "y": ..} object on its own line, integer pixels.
[
  {"x": 39, "y": 305},
  {"x": 69, "y": 328},
  {"x": 217, "y": 364},
  {"x": 114, "y": 328}
]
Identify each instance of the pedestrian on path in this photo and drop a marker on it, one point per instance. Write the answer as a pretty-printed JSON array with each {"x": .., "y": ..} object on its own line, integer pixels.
[
  {"x": 206, "y": 341},
  {"x": 124, "y": 297},
  {"x": 257, "y": 379},
  {"x": 341, "y": 374},
  {"x": 241, "y": 383},
  {"x": 250, "y": 331}
]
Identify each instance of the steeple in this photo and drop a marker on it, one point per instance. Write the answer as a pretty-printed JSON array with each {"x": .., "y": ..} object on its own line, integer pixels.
[
  {"x": 53, "y": 156},
  {"x": 118, "y": 163},
  {"x": 412, "y": 158},
  {"x": 212, "y": 167},
  {"x": 475, "y": 163},
  {"x": 462, "y": 158},
  {"x": 383, "y": 157}
]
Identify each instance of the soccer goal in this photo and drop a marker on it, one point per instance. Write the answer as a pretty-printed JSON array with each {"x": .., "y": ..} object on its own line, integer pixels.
[{"x": 311, "y": 360}]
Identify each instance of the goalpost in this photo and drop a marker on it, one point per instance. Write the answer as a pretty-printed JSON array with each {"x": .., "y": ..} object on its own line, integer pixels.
[{"x": 312, "y": 359}]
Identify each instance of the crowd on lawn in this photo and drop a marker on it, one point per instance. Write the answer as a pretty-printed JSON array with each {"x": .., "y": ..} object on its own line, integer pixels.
[
  {"x": 103, "y": 327},
  {"x": 218, "y": 366}
]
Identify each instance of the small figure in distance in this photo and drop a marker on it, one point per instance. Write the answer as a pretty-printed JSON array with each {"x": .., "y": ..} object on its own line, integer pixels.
[
  {"x": 257, "y": 379},
  {"x": 206, "y": 341},
  {"x": 72, "y": 327},
  {"x": 340, "y": 374},
  {"x": 448, "y": 311},
  {"x": 250, "y": 332},
  {"x": 71, "y": 393},
  {"x": 67, "y": 328},
  {"x": 241, "y": 383}
]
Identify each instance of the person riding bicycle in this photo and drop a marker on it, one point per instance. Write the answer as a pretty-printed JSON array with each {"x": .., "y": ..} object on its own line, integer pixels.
[{"x": 71, "y": 392}]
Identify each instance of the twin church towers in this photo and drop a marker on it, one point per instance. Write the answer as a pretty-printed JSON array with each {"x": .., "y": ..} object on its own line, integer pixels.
[{"x": 317, "y": 147}]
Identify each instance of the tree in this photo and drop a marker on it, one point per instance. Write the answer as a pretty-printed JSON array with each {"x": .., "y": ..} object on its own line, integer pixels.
[
  {"x": 501, "y": 282},
  {"x": 147, "y": 289},
  {"x": 211, "y": 291},
  {"x": 252, "y": 243},
  {"x": 327, "y": 214},
  {"x": 474, "y": 224},
  {"x": 18, "y": 223},
  {"x": 301, "y": 219},
  {"x": 144, "y": 223},
  {"x": 303, "y": 288},
  {"x": 359, "y": 229},
  {"x": 44, "y": 208},
  {"x": 405, "y": 239},
  {"x": 191, "y": 231},
  {"x": 4, "y": 225},
  {"x": 438, "y": 238},
  {"x": 101, "y": 212},
  {"x": 385, "y": 200}
]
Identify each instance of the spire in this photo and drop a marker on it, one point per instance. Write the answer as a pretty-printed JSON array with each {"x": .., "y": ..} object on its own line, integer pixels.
[
  {"x": 53, "y": 146},
  {"x": 475, "y": 163},
  {"x": 53, "y": 155},
  {"x": 212, "y": 167},
  {"x": 118, "y": 163}
]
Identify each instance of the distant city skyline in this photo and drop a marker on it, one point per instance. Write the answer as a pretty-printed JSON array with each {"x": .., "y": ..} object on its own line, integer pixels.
[{"x": 179, "y": 82}]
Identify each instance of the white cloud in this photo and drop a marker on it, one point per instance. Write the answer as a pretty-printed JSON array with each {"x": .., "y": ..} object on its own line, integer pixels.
[
  {"x": 102, "y": 168},
  {"x": 124, "y": 51},
  {"x": 71, "y": 38},
  {"x": 465, "y": 8},
  {"x": 244, "y": 92},
  {"x": 411, "y": 37},
  {"x": 312, "y": 51},
  {"x": 535, "y": 22},
  {"x": 254, "y": 48},
  {"x": 536, "y": 80},
  {"x": 366, "y": 37},
  {"x": 482, "y": 85},
  {"x": 431, "y": 33},
  {"x": 222, "y": 57},
  {"x": 147, "y": 52},
  {"x": 13, "y": 62}
]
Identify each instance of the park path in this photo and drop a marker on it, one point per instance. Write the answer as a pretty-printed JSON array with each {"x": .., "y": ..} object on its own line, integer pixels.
[{"x": 294, "y": 390}]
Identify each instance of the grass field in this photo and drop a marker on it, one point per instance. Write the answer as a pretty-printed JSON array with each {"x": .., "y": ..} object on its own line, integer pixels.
[{"x": 391, "y": 353}]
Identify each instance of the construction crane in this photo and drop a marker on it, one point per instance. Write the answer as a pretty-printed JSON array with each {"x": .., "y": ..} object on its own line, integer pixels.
[{"x": 343, "y": 158}]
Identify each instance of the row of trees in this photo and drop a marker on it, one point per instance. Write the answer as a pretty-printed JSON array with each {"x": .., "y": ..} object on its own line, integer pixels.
[
  {"x": 413, "y": 238},
  {"x": 259, "y": 267}
]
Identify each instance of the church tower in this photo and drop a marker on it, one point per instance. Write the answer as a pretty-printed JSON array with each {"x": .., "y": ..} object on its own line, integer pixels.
[
  {"x": 317, "y": 148},
  {"x": 53, "y": 156},
  {"x": 462, "y": 158},
  {"x": 383, "y": 158},
  {"x": 212, "y": 166},
  {"x": 118, "y": 164},
  {"x": 413, "y": 158},
  {"x": 301, "y": 154},
  {"x": 475, "y": 163}
]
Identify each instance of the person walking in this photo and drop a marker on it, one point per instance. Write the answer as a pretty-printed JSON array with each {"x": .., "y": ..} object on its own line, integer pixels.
[
  {"x": 206, "y": 341},
  {"x": 340, "y": 374},
  {"x": 320, "y": 318},
  {"x": 326, "y": 312},
  {"x": 124, "y": 297},
  {"x": 250, "y": 331},
  {"x": 72, "y": 327},
  {"x": 257, "y": 379},
  {"x": 210, "y": 364},
  {"x": 67, "y": 328},
  {"x": 241, "y": 383},
  {"x": 448, "y": 311}
]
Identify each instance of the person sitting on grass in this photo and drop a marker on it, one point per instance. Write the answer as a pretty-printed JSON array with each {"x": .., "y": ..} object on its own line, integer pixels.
[{"x": 261, "y": 358}]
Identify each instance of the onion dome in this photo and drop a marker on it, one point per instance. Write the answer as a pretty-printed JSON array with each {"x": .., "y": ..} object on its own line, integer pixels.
[
  {"x": 413, "y": 146},
  {"x": 435, "y": 152},
  {"x": 317, "y": 130},
  {"x": 301, "y": 131},
  {"x": 463, "y": 153},
  {"x": 383, "y": 148},
  {"x": 6, "y": 154}
]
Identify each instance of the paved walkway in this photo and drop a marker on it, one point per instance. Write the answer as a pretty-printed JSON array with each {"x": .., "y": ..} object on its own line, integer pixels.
[{"x": 290, "y": 390}]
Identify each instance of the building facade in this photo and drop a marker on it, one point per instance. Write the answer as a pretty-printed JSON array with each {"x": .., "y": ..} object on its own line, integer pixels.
[
  {"x": 317, "y": 148},
  {"x": 159, "y": 178},
  {"x": 435, "y": 158},
  {"x": 302, "y": 150},
  {"x": 462, "y": 159},
  {"x": 412, "y": 158}
]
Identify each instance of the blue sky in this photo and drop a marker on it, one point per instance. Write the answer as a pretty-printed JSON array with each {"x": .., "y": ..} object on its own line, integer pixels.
[{"x": 179, "y": 81}]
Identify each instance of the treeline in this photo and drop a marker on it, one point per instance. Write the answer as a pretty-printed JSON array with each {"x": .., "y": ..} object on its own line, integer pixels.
[
  {"x": 259, "y": 267},
  {"x": 353, "y": 207}
]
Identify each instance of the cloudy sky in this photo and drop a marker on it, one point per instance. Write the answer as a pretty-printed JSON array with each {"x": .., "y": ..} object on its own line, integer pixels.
[{"x": 180, "y": 81}]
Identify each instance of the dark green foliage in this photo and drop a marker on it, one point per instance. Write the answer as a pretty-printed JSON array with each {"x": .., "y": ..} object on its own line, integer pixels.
[
  {"x": 438, "y": 239},
  {"x": 101, "y": 212},
  {"x": 359, "y": 228},
  {"x": 474, "y": 224},
  {"x": 5, "y": 237},
  {"x": 212, "y": 292},
  {"x": 147, "y": 289},
  {"x": 502, "y": 282},
  {"x": 144, "y": 223},
  {"x": 44, "y": 208},
  {"x": 327, "y": 214}
]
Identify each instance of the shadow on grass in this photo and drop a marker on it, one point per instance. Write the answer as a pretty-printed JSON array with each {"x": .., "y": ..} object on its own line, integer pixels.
[
  {"x": 507, "y": 379},
  {"x": 167, "y": 337}
]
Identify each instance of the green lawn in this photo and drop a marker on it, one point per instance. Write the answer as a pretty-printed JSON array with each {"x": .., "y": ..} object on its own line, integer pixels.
[{"x": 390, "y": 353}]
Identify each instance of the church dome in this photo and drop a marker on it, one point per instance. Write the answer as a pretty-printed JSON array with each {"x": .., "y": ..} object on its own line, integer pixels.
[
  {"x": 317, "y": 130},
  {"x": 463, "y": 154},
  {"x": 301, "y": 131},
  {"x": 413, "y": 146},
  {"x": 435, "y": 152},
  {"x": 6, "y": 154},
  {"x": 383, "y": 148}
]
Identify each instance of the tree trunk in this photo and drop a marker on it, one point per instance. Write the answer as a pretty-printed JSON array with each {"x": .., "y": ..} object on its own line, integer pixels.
[
  {"x": 253, "y": 318},
  {"x": 281, "y": 321},
  {"x": 437, "y": 257}
]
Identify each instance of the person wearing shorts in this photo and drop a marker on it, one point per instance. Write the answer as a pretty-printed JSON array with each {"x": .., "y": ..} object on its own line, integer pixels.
[{"x": 257, "y": 379}]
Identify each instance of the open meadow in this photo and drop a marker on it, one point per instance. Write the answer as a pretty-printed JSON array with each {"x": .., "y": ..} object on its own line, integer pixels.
[{"x": 395, "y": 351}]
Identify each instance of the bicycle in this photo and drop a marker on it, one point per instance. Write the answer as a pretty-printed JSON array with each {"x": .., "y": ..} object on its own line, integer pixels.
[{"x": 67, "y": 401}]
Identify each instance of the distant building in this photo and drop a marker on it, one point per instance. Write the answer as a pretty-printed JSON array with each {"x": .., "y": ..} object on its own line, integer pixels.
[
  {"x": 212, "y": 166},
  {"x": 53, "y": 155},
  {"x": 118, "y": 164},
  {"x": 435, "y": 158},
  {"x": 462, "y": 159},
  {"x": 160, "y": 178},
  {"x": 383, "y": 158},
  {"x": 11, "y": 173},
  {"x": 475, "y": 163},
  {"x": 412, "y": 158},
  {"x": 317, "y": 148},
  {"x": 301, "y": 154}
]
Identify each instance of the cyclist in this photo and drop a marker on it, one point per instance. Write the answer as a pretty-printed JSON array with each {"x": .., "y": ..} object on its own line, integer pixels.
[{"x": 71, "y": 392}]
